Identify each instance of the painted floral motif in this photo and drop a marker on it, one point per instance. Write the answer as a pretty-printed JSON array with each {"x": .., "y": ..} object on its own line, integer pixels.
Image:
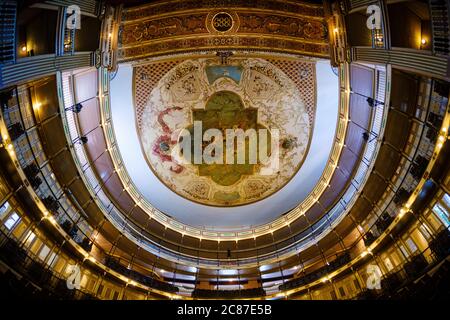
[{"x": 182, "y": 96}]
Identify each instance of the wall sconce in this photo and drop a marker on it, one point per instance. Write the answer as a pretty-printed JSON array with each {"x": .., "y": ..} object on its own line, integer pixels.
[
  {"x": 37, "y": 106},
  {"x": 67, "y": 45},
  {"x": 423, "y": 41},
  {"x": 81, "y": 140},
  {"x": 24, "y": 49},
  {"x": 75, "y": 108}
]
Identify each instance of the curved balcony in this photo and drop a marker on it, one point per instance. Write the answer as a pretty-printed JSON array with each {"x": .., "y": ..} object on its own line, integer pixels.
[
  {"x": 327, "y": 222},
  {"x": 67, "y": 200}
]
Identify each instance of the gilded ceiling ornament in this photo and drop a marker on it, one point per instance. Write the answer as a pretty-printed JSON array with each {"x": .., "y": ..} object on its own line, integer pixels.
[
  {"x": 222, "y": 22},
  {"x": 223, "y": 29}
]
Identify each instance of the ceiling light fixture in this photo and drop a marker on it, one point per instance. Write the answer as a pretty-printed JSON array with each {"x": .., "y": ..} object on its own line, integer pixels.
[
  {"x": 52, "y": 220},
  {"x": 365, "y": 253},
  {"x": 402, "y": 212}
]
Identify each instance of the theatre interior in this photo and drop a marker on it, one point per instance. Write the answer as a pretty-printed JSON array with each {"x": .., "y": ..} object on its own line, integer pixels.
[{"x": 352, "y": 201}]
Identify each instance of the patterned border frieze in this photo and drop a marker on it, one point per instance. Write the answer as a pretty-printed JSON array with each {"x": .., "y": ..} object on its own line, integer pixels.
[
  {"x": 149, "y": 30},
  {"x": 161, "y": 8}
]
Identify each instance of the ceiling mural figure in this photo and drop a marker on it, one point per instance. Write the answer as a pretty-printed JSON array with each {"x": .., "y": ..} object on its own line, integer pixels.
[{"x": 246, "y": 94}]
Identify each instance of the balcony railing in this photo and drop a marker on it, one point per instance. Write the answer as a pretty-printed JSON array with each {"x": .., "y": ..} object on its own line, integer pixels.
[
  {"x": 34, "y": 164},
  {"x": 33, "y": 161},
  {"x": 317, "y": 231},
  {"x": 46, "y": 281},
  {"x": 408, "y": 179},
  {"x": 24, "y": 117}
]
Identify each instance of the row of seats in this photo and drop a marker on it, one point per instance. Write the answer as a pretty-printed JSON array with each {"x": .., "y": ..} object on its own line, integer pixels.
[
  {"x": 435, "y": 286},
  {"x": 36, "y": 281},
  {"x": 412, "y": 279},
  {"x": 317, "y": 274},
  {"x": 382, "y": 224},
  {"x": 146, "y": 280},
  {"x": 228, "y": 294},
  {"x": 72, "y": 231},
  {"x": 15, "y": 288},
  {"x": 440, "y": 245}
]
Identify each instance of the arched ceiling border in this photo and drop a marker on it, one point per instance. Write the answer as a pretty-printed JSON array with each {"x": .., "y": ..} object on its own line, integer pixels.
[
  {"x": 263, "y": 229},
  {"x": 402, "y": 213},
  {"x": 158, "y": 8},
  {"x": 178, "y": 26},
  {"x": 135, "y": 236}
]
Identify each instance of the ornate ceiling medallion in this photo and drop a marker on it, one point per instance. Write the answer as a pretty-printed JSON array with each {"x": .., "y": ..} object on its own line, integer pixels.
[
  {"x": 202, "y": 105},
  {"x": 221, "y": 22}
]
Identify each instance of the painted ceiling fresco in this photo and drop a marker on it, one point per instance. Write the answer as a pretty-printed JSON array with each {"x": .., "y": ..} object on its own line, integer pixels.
[
  {"x": 161, "y": 28},
  {"x": 245, "y": 93}
]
